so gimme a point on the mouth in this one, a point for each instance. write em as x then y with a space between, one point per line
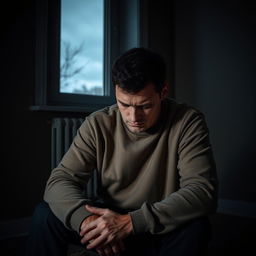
135 124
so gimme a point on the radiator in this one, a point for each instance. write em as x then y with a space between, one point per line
63 132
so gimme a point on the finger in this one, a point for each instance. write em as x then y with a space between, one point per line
90 236
95 210
88 227
98 242
116 248
100 252
108 250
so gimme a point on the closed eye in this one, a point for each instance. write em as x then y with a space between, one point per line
124 105
146 106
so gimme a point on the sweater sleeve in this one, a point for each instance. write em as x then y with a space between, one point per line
65 187
197 192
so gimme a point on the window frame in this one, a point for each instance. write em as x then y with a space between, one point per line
122 28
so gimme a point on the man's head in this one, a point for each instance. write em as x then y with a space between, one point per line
137 68
140 86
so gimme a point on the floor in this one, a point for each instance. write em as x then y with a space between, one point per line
232 235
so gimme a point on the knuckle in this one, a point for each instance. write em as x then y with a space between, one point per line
103 225
111 237
104 218
115 249
108 229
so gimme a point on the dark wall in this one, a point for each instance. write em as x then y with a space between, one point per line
160 15
26 134
21 173
215 61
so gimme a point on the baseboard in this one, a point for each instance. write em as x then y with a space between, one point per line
238 208
14 228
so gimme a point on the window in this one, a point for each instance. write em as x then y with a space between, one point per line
82 47
61 86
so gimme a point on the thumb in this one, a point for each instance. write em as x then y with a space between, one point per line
95 210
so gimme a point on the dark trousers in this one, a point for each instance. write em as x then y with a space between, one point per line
49 237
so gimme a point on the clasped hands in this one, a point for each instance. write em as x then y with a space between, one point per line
105 231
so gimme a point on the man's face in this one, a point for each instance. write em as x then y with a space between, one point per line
140 110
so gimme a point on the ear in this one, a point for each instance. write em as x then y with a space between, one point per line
164 91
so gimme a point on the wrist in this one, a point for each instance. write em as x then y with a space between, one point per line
127 220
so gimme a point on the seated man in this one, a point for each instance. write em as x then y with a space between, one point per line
155 166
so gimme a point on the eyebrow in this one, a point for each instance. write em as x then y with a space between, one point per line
142 105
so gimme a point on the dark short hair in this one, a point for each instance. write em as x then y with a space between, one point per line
138 67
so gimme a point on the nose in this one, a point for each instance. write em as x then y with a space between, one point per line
135 114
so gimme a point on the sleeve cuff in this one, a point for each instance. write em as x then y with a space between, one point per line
138 222
77 217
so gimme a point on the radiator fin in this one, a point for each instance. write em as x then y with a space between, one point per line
63 132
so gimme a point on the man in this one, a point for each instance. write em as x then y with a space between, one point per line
156 170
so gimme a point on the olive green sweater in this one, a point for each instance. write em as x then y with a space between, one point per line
166 174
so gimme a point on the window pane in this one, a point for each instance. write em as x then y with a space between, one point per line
82 47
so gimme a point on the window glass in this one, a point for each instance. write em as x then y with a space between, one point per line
82 47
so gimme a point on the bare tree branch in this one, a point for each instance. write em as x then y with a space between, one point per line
69 67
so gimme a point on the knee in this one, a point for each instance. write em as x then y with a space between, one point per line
198 232
43 215
190 239
200 227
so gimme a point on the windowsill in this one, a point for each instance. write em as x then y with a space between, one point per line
63 108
